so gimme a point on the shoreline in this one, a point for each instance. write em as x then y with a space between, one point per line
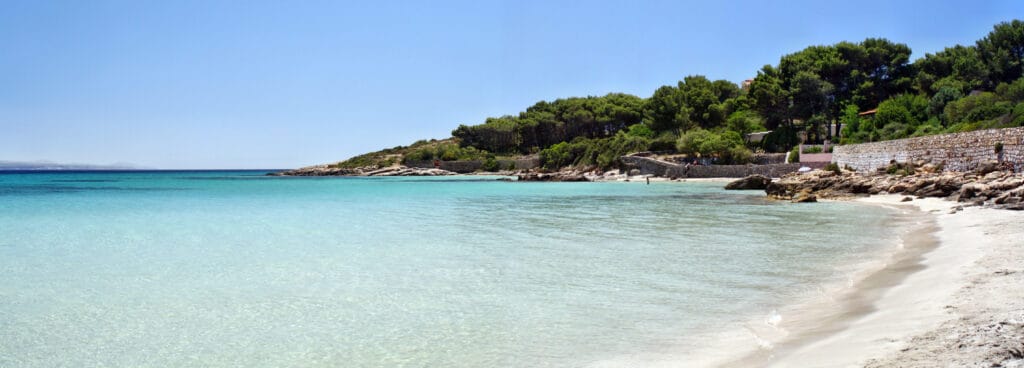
951 291
905 313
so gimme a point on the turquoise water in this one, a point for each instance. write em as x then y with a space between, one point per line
238 269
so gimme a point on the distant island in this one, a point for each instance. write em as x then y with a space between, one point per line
47 165
845 93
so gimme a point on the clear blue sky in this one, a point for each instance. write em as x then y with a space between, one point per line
252 84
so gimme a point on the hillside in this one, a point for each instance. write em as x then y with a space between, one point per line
846 93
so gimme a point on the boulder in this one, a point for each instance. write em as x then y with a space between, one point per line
552 177
750 182
804 196
987 167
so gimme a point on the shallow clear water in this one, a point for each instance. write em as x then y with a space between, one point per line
239 269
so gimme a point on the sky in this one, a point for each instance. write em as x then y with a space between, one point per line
255 84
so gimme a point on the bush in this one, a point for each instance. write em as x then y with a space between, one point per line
780 139
664 142
490 165
794 155
603 152
738 155
640 130
744 122
812 149
897 168
974 108
446 152
833 167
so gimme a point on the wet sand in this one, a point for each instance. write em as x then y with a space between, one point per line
953 297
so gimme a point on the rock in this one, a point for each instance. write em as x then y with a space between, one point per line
969 191
906 199
560 176
634 172
750 182
804 196
929 168
408 171
1000 189
862 187
1014 207
782 189
987 167
323 170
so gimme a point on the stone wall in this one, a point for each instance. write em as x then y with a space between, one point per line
957 152
769 158
524 163
739 171
650 166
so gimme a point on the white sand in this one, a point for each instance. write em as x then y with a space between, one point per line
907 325
953 298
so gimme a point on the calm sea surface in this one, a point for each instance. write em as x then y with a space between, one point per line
239 269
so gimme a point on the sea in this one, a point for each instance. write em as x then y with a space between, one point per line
240 269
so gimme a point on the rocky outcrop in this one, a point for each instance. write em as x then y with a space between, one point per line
804 196
557 176
1002 189
325 170
750 182
665 169
319 170
409 171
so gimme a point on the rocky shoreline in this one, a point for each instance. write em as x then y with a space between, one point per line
989 186
326 170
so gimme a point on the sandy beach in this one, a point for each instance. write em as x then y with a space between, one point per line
955 301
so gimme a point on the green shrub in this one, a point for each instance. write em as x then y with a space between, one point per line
640 130
738 155
833 167
812 149
794 155
780 139
664 142
899 169
490 165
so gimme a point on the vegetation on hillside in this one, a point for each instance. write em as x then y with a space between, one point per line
812 92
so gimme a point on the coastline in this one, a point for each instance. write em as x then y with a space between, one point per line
950 294
956 284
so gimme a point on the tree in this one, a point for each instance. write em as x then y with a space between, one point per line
937 104
957 67
811 100
1002 50
771 100
744 122
727 145
666 110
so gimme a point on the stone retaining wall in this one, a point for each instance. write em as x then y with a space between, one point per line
650 166
957 152
769 158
